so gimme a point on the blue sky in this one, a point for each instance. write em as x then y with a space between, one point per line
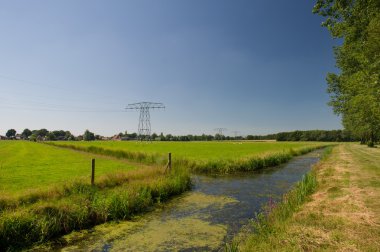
252 66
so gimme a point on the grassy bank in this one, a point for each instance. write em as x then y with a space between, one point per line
249 163
342 214
196 151
85 206
271 154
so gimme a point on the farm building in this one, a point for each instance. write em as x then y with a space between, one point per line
116 138
3 138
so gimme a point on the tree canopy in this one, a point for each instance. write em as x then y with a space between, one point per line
355 90
88 136
11 133
26 133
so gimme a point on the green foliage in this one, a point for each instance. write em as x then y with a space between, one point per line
11 133
26 133
231 247
316 135
88 136
41 132
355 91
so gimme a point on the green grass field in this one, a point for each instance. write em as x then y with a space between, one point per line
204 151
28 165
200 157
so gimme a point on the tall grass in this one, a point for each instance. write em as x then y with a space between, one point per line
250 163
84 206
78 185
274 215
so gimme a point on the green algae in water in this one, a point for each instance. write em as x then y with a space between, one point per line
181 224
174 234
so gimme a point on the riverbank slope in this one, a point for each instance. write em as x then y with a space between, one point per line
344 212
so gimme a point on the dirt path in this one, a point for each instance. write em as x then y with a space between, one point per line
342 215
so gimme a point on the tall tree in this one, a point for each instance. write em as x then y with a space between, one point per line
355 91
88 136
11 133
26 133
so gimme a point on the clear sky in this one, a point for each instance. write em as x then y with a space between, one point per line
252 66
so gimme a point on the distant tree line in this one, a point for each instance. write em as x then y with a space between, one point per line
308 135
262 137
190 137
317 135
40 135
46 135
55 135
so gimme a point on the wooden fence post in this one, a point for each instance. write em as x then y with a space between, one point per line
93 171
170 161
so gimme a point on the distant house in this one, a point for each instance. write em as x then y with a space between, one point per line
3 138
116 138
18 137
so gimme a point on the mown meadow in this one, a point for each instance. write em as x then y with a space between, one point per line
46 190
26 165
211 150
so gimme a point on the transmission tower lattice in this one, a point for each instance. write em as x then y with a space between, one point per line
236 133
220 131
144 129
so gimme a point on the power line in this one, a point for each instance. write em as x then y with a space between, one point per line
236 133
31 82
61 110
31 105
48 85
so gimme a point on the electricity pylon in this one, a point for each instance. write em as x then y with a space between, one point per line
144 129
220 131
236 133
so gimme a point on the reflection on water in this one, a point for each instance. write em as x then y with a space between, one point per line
203 219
